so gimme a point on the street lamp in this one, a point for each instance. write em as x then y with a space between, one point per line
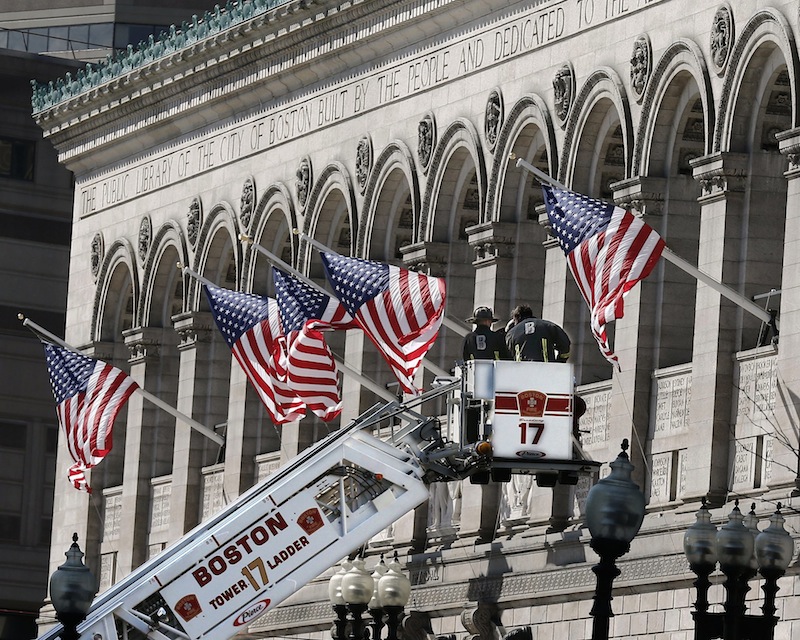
740 550
72 589
614 514
353 590
394 590
357 588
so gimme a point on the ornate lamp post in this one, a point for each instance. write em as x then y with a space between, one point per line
72 589
357 588
740 550
385 594
337 601
394 590
614 514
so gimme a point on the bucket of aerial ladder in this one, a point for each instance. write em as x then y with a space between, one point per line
526 411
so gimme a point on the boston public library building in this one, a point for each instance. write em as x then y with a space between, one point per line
391 130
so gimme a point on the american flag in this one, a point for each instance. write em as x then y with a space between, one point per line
311 369
251 326
89 394
608 250
400 310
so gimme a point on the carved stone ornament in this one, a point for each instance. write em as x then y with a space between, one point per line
426 140
641 66
482 622
721 38
564 92
494 118
363 162
248 202
145 237
194 221
303 184
97 251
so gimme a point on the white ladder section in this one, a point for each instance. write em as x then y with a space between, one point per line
276 537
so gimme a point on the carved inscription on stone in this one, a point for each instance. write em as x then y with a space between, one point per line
744 459
108 566
159 516
112 516
757 391
594 423
673 394
661 477
213 499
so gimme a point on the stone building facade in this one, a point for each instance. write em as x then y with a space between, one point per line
390 130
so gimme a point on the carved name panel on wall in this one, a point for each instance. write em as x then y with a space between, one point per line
477 50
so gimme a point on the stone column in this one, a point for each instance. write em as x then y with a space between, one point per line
495 247
723 180
192 450
784 467
141 448
635 337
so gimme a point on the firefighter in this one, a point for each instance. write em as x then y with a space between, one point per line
536 340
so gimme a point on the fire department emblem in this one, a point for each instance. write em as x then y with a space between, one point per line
310 520
531 403
188 607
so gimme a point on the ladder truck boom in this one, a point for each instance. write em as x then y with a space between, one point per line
331 500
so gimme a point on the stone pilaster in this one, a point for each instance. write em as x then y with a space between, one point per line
722 177
495 247
784 467
635 336
144 447
192 450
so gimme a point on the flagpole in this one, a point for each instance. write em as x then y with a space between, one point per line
723 289
209 433
436 370
450 324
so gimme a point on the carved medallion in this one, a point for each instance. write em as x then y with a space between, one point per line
426 139
145 237
363 162
194 221
641 66
564 92
97 251
494 118
721 38
303 184
247 202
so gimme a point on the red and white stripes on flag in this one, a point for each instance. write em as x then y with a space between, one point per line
608 250
311 370
400 310
89 394
251 326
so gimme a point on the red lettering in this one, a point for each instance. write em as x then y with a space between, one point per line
232 554
278 523
202 576
217 565
242 542
259 535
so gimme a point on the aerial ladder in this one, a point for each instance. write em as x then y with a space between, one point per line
335 496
